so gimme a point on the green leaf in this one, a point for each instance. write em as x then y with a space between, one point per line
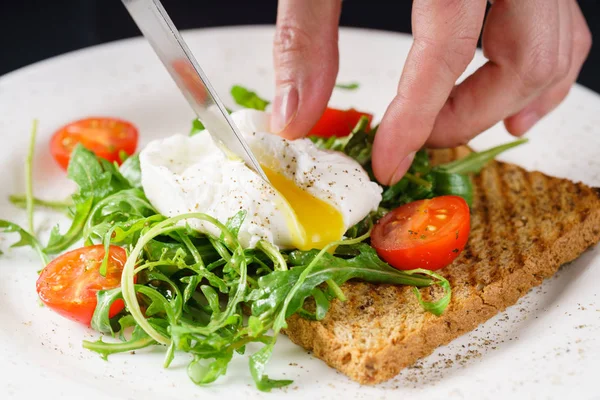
439 306
474 162
365 224
100 319
61 206
321 302
125 322
138 340
331 143
367 266
453 184
348 86
420 164
117 180
213 299
255 326
360 144
96 179
131 171
192 283
202 372
26 239
105 349
29 177
87 172
258 362
60 242
247 98
235 223
125 212
197 127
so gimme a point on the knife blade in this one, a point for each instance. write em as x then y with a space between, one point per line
155 24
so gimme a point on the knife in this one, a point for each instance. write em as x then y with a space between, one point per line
158 28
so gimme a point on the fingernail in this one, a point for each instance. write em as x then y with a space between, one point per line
528 120
402 167
285 106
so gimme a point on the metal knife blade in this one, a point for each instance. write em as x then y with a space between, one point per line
156 25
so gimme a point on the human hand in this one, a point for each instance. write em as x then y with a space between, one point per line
535 50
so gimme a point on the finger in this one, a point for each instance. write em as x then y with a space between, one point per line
580 45
305 54
445 39
521 41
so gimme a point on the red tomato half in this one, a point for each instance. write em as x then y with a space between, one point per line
69 283
338 123
427 234
106 137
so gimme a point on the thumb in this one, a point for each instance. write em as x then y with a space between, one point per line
305 54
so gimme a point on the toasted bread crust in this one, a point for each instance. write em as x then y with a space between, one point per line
524 226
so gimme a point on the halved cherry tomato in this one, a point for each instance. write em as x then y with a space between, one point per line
69 283
338 123
106 137
427 234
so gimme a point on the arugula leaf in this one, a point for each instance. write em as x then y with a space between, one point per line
248 99
331 143
26 239
348 86
88 173
59 242
475 161
61 206
96 179
453 184
29 177
234 223
439 306
258 362
360 144
366 266
139 340
366 224
119 212
420 164
131 171
322 303
100 319
423 181
197 127
202 372
410 188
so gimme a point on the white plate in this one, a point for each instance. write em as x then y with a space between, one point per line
545 346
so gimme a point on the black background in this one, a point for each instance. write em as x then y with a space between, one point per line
32 30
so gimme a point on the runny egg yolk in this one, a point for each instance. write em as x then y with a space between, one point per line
320 222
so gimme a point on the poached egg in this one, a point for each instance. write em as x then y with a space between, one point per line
313 197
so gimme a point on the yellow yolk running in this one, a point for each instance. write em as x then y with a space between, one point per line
320 222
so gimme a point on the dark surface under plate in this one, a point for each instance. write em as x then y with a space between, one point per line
32 30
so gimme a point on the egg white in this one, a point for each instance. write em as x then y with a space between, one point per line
182 174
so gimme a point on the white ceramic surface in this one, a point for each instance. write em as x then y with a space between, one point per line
546 346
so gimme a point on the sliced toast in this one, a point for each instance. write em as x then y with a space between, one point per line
524 226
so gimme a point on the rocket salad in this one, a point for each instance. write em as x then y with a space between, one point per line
143 279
